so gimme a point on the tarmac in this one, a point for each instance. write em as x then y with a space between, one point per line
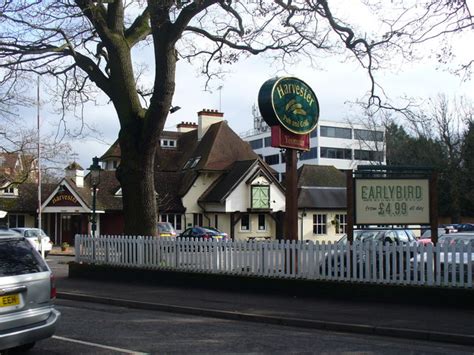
441 324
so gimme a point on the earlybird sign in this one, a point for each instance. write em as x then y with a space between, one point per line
392 201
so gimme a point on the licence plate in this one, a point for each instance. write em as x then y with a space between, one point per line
10 300
165 235
218 237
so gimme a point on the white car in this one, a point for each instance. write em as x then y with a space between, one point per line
33 235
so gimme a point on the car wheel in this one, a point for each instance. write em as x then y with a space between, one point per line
22 348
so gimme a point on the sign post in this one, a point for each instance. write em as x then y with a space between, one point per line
290 107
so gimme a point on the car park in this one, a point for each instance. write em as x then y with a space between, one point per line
166 229
37 237
27 293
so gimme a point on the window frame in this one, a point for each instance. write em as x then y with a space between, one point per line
320 224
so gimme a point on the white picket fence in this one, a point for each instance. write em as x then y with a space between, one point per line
443 265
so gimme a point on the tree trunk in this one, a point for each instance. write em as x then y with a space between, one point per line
136 176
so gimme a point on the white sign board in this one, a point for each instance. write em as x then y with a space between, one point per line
392 201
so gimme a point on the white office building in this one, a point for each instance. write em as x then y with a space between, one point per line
339 144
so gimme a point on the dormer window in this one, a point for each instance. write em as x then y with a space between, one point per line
168 143
9 191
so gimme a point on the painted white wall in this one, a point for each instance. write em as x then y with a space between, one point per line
330 236
200 185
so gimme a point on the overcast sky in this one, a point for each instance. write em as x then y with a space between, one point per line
335 84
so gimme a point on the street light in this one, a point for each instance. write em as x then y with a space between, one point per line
95 181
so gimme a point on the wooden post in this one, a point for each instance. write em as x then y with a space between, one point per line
350 205
291 214
434 207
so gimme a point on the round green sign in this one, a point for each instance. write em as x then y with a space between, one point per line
289 102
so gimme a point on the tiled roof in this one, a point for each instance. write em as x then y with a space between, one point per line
27 199
322 198
319 175
321 187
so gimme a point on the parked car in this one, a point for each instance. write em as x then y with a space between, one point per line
166 229
452 257
465 227
27 292
224 234
34 235
334 259
203 233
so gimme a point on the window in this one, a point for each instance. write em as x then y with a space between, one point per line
167 143
197 219
314 133
366 135
256 144
174 219
261 222
188 163
115 164
341 223
282 177
10 190
336 132
336 153
260 196
369 155
268 141
18 258
172 143
319 224
245 222
272 159
311 154
195 162
16 220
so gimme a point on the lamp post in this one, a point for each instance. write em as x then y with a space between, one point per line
95 181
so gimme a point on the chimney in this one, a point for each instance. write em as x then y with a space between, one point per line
75 172
184 127
206 118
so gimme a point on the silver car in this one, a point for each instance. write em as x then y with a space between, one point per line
27 292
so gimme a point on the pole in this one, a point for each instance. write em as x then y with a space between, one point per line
39 166
94 221
291 225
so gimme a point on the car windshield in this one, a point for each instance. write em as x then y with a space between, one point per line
165 227
17 257
29 233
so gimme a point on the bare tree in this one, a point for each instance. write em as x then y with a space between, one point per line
89 44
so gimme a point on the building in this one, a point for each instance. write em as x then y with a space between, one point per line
205 175
337 144
322 203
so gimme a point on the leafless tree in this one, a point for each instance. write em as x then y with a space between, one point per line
88 44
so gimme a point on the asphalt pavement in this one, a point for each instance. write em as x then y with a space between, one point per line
443 324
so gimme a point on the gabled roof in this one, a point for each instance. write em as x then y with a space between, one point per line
238 172
221 188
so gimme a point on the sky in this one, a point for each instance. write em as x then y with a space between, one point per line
335 83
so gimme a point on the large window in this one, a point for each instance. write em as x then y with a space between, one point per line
341 223
256 144
311 154
366 135
260 196
16 220
335 132
369 155
319 224
336 153
272 159
245 222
